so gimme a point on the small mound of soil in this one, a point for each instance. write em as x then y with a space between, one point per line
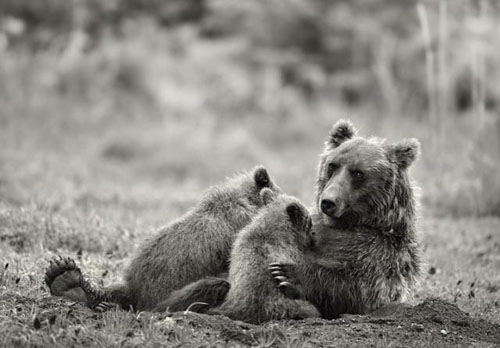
434 310
442 315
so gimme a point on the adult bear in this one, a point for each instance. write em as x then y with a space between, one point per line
365 251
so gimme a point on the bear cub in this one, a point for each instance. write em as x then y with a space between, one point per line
278 234
195 246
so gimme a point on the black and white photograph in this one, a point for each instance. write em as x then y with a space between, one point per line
249 173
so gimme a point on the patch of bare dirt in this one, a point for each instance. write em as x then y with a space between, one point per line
433 323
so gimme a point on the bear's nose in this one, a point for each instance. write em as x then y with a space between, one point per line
328 207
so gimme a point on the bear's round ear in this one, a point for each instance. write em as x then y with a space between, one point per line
404 153
341 131
261 177
266 195
297 214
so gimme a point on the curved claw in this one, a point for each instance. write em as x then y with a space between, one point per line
277 273
196 307
289 290
104 307
280 279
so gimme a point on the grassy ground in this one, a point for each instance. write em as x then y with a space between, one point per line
94 192
99 149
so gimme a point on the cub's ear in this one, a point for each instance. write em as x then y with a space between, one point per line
298 215
261 177
341 131
267 196
404 153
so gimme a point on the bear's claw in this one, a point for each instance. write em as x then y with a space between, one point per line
284 275
289 290
276 273
286 268
102 307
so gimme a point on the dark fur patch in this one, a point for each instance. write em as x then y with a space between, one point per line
296 214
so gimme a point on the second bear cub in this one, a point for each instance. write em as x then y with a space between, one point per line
195 246
278 234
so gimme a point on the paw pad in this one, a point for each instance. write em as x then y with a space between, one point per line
58 266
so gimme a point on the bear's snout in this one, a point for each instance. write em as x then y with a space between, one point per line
333 209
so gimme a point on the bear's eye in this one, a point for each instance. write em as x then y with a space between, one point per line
358 174
332 167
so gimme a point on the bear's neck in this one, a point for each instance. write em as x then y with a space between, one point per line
397 218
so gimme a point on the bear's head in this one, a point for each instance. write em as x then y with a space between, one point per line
288 214
365 181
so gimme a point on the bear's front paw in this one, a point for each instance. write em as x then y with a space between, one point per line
284 275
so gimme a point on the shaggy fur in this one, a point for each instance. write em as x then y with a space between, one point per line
279 233
196 245
365 252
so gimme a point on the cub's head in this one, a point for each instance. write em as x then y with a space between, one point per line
286 213
364 181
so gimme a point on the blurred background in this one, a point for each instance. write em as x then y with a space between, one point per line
115 115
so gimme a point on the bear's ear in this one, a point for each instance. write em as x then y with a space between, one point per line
404 153
298 215
261 177
267 196
341 131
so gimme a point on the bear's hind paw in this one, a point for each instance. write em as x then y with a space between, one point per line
67 273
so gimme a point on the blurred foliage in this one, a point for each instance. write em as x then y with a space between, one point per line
361 49
57 14
398 68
